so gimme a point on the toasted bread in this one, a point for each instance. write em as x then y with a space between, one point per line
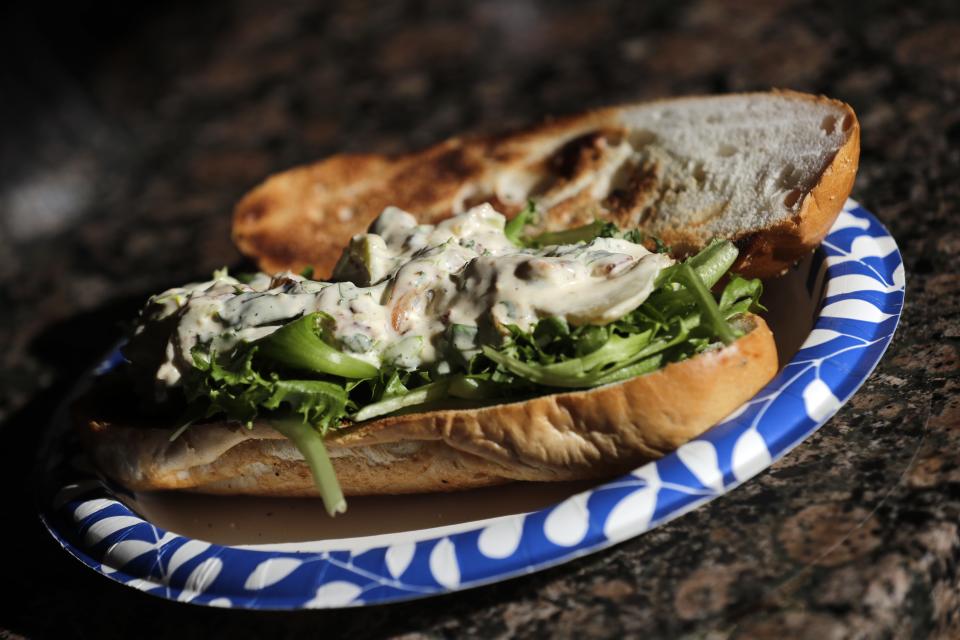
592 433
769 171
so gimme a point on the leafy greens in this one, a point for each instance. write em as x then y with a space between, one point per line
302 382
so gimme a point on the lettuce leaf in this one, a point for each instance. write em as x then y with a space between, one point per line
232 386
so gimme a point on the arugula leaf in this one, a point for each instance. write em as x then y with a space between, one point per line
393 386
550 330
311 446
597 229
591 339
740 296
515 225
421 395
476 388
303 345
659 246
714 261
705 301
591 370
586 233
671 298
433 394
647 365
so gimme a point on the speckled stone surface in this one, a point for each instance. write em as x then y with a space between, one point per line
118 168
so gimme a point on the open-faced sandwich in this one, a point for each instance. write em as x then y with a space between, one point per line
561 303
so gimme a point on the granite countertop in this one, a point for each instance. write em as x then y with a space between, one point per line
127 138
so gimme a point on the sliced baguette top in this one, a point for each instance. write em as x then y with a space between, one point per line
770 171
565 436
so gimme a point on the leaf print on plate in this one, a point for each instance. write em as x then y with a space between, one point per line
185 553
105 528
398 557
120 553
270 572
854 309
819 400
870 247
444 565
501 539
632 515
334 594
142 585
201 578
750 455
700 457
820 336
857 282
90 507
568 523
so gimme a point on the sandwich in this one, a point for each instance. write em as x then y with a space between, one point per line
560 303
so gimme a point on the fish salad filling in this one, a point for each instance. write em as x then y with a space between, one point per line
418 317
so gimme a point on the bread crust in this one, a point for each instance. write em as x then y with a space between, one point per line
305 215
565 436
773 251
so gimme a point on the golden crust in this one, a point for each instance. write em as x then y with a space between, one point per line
566 436
307 214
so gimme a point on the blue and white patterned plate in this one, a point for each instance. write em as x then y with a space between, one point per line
851 291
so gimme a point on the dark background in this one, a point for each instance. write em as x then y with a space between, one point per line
128 130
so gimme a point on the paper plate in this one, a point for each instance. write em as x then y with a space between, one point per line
833 317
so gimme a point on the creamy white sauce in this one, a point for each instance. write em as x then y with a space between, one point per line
400 289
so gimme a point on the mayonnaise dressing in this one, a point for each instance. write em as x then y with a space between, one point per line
408 294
